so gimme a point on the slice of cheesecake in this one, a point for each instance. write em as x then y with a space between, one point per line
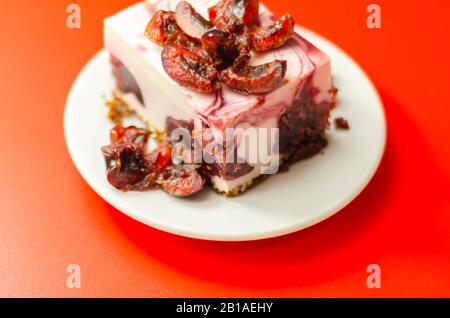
299 108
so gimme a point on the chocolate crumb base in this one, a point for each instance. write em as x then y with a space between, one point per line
118 109
341 123
307 149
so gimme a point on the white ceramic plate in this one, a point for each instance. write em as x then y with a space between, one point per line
310 192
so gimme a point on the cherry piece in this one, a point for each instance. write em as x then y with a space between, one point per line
163 29
213 42
183 182
131 134
228 14
242 43
125 164
192 23
127 167
255 79
190 68
264 39
130 168
161 157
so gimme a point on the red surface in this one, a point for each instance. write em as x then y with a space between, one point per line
49 217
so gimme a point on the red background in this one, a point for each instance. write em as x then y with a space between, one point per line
49 217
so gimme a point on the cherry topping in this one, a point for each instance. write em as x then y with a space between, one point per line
130 168
264 39
228 14
255 79
125 165
197 50
163 29
192 23
213 42
122 135
183 182
190 68
163 156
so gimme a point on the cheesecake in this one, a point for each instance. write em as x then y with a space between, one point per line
227 65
